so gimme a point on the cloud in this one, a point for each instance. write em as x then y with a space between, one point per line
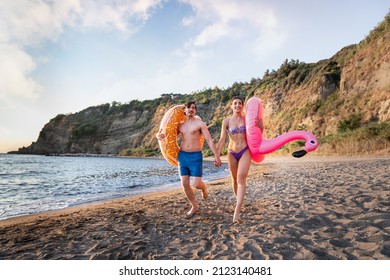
15 69
26 25
29 23
228 35
122 15
230 21
212 33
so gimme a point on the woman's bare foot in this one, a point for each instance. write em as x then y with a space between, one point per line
192 212
236 218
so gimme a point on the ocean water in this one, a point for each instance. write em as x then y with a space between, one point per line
31 184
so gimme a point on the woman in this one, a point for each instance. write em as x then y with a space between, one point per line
239 157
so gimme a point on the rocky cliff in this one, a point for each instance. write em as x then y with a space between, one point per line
347 92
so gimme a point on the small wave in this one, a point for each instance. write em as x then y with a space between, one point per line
132 186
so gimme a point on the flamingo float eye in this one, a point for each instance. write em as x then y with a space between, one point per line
312 142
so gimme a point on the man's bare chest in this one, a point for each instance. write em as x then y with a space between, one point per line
187 129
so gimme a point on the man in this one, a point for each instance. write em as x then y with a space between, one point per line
190 156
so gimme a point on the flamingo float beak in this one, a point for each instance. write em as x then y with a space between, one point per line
299 153
310 145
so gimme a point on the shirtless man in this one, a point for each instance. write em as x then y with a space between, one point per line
190 156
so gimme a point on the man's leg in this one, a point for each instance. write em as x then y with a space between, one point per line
185 182
196 173
200 185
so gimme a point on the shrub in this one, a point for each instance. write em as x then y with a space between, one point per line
87 129
351 123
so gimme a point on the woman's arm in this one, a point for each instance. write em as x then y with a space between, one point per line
259 124
222 138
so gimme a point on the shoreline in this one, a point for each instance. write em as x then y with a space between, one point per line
144 186
308 208
14 219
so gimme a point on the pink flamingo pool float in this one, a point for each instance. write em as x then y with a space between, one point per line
259 147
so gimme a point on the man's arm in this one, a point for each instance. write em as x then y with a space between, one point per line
160 136
210 142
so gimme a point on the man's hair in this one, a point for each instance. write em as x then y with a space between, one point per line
189 103
239 98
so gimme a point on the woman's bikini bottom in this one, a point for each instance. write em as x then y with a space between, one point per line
239 154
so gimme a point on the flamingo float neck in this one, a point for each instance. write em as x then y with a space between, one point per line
259 146
270 145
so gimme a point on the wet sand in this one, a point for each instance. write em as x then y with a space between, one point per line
308 208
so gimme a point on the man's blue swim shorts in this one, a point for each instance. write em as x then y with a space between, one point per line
190 164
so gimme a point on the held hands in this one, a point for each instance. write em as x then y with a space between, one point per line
217 162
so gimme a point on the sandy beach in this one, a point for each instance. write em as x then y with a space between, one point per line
315 207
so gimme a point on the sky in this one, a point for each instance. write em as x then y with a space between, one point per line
62 56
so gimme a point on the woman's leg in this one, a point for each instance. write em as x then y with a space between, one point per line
242 173
233 166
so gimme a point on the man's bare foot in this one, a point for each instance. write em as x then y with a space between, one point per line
205 193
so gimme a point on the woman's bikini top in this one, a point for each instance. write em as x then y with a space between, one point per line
236 130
